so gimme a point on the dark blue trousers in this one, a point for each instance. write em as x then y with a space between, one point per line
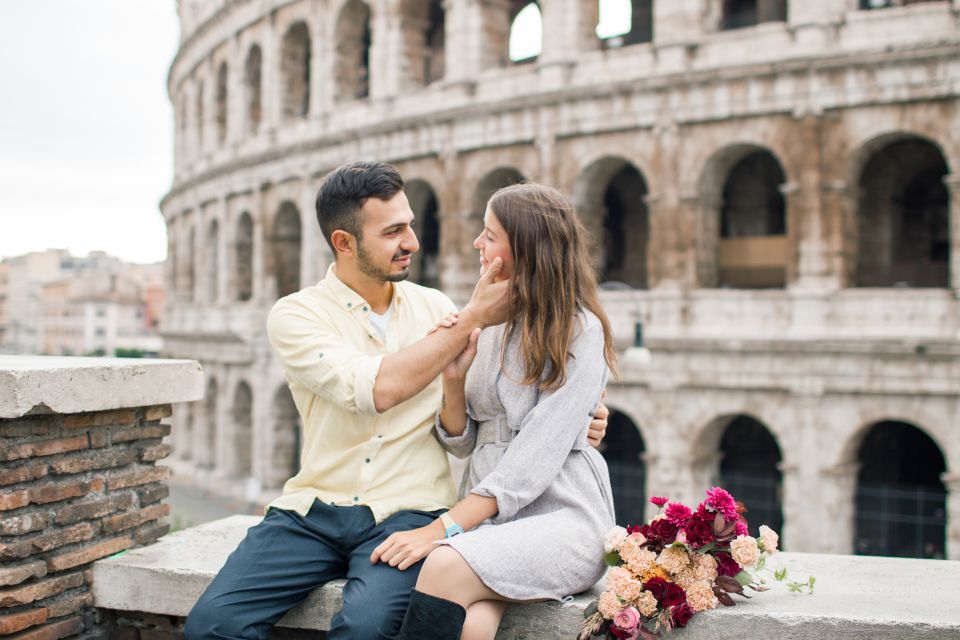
286 556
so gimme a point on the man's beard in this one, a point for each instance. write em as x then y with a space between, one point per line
371 270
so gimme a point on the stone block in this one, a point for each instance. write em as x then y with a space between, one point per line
38 448
14 500
40 590
30 426
100 419
148 534
23 473
70 603
55 492
88 554
129 434
157 413
23 547
52 631
155 452
18 574
150 494
112 503
26 523
88 461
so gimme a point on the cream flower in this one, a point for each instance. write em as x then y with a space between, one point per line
646 604
704 566
700 596
637 558
615 537
745 551
616 578
608 605
769 539
674 559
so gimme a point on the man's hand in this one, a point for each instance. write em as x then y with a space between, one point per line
488 304
406 548
598 426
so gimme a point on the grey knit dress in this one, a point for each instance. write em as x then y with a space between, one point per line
530 452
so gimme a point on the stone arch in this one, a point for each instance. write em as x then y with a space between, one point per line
743 235
740 453
213 261
286 430
423 32
222 103
242 439
210 425
624 22
243 258
903 213
900 500
623 448
253 84
610 197
525 41
488 185
285 244
425 268
295 56
352 58
737 14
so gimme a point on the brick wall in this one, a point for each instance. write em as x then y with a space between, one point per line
74 488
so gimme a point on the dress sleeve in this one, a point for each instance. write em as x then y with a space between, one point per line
551 430
460 446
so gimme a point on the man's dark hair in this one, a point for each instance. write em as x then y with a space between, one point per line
345 189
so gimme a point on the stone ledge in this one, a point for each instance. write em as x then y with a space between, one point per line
856 597
76 385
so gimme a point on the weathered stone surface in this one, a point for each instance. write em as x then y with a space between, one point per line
854 597
78 385
17 574
88 554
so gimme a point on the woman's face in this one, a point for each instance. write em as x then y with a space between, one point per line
493 243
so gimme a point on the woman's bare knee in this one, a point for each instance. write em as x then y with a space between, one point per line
483 620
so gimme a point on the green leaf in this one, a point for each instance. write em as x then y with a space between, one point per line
612 559
710 546
761 563
744 578
780 574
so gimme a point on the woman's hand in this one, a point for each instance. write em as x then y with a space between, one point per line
448 321
456 371
406 548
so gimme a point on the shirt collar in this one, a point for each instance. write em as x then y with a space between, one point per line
350 299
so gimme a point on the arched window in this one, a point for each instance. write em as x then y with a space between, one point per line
242 439
423 202
625 22
900 500
488 185
903 217
747 13
353 51
753 250
285 249
285 452
526 32
222 103
253 85
213 261
243 258
749 469
295 71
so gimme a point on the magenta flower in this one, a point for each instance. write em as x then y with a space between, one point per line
659 501
741 528
720 500
678 514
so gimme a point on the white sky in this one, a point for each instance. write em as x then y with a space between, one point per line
86 142
86 127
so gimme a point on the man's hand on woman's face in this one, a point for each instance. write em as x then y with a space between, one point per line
598 426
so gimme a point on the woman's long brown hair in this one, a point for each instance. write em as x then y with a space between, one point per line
552 279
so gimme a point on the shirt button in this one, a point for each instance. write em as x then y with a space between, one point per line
365 309
367 460
356 499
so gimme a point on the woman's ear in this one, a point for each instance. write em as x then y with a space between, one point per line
343 242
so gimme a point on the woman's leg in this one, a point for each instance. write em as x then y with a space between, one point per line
483 620
445 574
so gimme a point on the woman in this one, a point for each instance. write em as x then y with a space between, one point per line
536 499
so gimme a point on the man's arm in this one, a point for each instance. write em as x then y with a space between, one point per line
407 372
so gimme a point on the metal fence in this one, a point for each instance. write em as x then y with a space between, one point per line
901 520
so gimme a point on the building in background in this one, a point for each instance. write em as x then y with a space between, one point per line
772 188
57 304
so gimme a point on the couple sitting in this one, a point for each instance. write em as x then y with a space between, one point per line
387 375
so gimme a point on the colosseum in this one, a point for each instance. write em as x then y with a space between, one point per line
769 185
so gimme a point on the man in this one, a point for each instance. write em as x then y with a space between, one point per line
363 372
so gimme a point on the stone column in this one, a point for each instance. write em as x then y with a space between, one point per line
457 29
272 92
952 483
224 238
678 25
838 486
383 58
317 63
569 28
952 182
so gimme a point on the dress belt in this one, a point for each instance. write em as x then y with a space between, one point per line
494 431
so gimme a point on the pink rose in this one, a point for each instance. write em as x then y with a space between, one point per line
627 619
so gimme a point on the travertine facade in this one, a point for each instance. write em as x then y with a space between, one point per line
774 188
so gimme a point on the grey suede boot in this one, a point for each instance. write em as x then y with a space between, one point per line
432 618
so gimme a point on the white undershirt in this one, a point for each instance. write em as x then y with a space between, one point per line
380 322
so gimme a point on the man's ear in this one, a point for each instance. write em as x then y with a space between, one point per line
344 242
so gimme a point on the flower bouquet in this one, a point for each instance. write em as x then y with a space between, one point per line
680 563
